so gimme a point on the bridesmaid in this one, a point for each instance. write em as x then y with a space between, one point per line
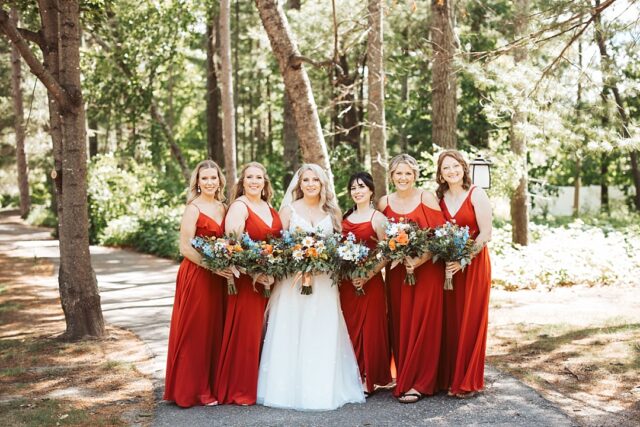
249 212
466 308
366 315
416 311
195 336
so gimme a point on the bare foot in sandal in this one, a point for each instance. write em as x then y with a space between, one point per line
411 396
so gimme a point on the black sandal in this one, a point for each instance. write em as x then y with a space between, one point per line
417 396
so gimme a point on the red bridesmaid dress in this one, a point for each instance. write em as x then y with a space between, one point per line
466 314
195 337
416 313
366 316
237 371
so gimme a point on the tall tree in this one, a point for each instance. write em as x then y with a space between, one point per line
228 112
296 83
79 294
375 108
611 85
289 137
444 82
18 110
214 127
519 198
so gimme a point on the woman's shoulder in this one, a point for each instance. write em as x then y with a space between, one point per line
429 199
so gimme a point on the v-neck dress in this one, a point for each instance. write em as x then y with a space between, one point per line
366 316
240 357
195 335
416 313
466 313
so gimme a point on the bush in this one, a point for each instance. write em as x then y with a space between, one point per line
41 215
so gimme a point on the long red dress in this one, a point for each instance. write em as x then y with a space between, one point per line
195 336
416 313
466 314
366 316
240 357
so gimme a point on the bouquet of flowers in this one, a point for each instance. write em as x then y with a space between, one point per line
311 253
353 260
404 239
451 243
219 253
262 257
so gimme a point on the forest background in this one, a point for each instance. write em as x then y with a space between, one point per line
548 90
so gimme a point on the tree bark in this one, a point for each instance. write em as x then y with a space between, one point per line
296 82
228 112
520 197
78 285
577 180
79 294
610 83
214 130
289 137
375 107
18 109
444 103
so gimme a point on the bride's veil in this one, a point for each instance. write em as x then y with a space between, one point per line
288 195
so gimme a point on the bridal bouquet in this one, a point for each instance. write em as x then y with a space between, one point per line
262 257
219 253
353 260
451 243
404 239
310 253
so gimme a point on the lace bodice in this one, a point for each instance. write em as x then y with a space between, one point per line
324 227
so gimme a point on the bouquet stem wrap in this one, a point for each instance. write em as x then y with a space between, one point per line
448 281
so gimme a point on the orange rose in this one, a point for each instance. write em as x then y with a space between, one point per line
268 249
311 252
392 244
403 238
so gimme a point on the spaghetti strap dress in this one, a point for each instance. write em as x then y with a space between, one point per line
416 313
195 335
237 371
466 314
366 316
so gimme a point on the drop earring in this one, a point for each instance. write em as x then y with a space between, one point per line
197 189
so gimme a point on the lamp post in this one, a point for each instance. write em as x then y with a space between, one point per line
481 172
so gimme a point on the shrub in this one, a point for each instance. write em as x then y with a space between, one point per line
41 215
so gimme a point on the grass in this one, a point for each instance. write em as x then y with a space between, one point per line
48 412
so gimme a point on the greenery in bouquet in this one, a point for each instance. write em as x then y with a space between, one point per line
219 253
451 243
310 253
353 260
262 257
403 239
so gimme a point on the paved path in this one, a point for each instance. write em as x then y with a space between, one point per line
137 293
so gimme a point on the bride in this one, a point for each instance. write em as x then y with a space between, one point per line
307 360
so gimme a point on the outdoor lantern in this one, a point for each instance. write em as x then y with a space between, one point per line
481 172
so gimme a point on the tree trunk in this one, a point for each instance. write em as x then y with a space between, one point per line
577 181
289 137
228 112
77 282
18 109
214 130
375 107
520 197
444 82
610 83
604 183
296 82
348 123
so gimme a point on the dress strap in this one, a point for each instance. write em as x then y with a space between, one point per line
196 206
372 215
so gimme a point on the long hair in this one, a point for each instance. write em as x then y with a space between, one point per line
367 180
238 189
407 160
328 202
193 192
442 184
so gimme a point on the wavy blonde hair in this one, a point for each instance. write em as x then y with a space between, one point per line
407 160
328 202
193 192
238 188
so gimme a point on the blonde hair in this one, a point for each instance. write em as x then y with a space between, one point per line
442 184
407 160
193 192
328 202
238 189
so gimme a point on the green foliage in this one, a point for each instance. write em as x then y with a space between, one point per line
41 215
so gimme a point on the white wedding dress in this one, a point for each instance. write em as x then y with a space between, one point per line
307 359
